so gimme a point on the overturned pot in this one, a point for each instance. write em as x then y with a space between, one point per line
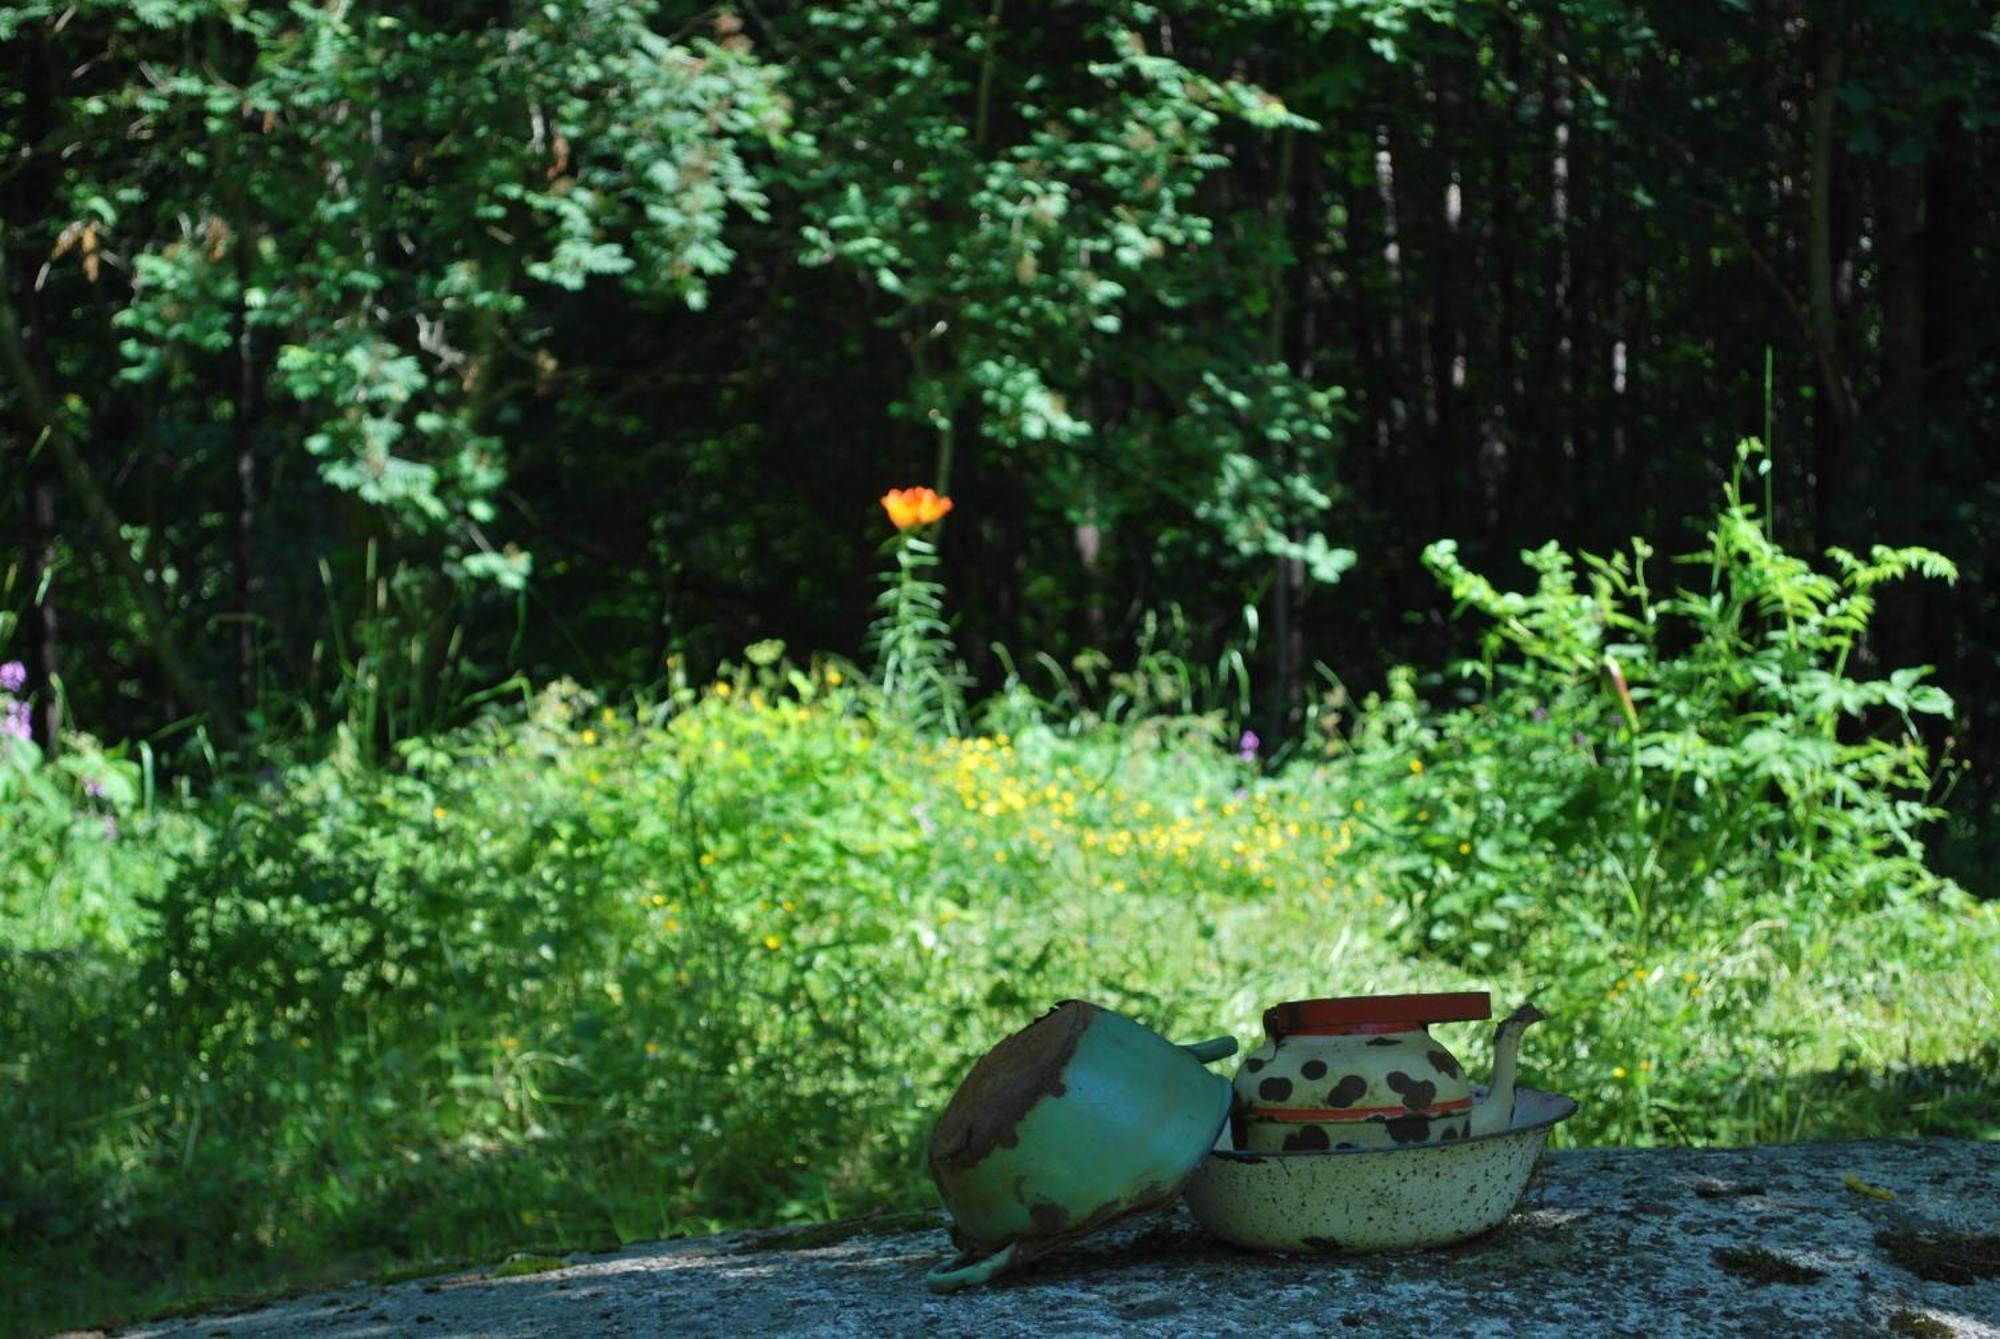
1079 1119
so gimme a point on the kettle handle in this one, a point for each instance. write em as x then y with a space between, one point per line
946 1279
1215 1048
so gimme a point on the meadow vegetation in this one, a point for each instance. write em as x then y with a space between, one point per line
588 970
475 778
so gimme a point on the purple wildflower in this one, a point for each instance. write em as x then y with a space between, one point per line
13 675
94 789
110 827
1246 747
16 723
1538 715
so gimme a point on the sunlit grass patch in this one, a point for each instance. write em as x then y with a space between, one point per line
591 973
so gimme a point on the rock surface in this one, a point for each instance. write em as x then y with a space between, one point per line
1796 1239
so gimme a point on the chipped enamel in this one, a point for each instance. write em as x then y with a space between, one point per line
1383 1199
1080 1118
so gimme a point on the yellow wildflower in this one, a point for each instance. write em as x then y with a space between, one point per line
834 678
708 857
771 942
1465 848
438 813
1360 806
1618 1073
1416 767
589 737
723 688
652 1048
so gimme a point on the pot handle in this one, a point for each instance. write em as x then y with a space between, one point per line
1215 1048
947 1279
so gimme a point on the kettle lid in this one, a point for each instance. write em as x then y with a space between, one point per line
1375 1013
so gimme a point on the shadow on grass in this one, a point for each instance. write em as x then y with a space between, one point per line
1957 1099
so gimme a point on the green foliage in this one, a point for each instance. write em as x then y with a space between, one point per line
582 972
1677 814
65 876
1662 760
1051 211
579 973
398 669
914 664
417 360
376 249
1199 304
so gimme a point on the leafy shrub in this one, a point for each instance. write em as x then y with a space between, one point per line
64 876
1644 764
577 973
1687 828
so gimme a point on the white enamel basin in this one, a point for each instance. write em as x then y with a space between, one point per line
1390 1199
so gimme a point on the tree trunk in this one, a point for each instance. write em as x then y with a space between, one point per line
246 488
44 661
41 412
1506 227
1901 240
1456 447
1559 414
1285 591
1835 422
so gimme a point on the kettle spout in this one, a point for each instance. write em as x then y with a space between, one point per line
1494 1113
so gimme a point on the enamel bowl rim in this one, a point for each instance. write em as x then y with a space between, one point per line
1533 1110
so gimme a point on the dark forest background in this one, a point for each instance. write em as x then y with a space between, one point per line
580 339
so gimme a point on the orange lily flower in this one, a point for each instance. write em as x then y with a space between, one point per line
912 507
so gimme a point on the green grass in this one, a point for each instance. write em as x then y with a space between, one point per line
581 975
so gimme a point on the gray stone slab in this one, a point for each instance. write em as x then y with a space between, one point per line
1661 1242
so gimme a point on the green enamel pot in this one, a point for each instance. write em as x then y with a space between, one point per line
1079 1119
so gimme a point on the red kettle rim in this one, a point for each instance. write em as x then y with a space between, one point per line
1376 1013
